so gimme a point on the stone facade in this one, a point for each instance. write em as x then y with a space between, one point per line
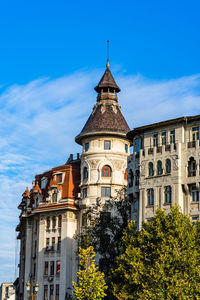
164 168
51 212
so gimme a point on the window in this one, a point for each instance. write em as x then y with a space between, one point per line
47 242
59 178
51 291
58 267
46 268
43 183
45 292
84 191
168 194
52 268
151 170
59 244
195 133
105 191
54 197
195 219
107 145
159 168
106 171
191 167
163 137
87 145
126 148
194 194
85 173
125 175
53 243
54 222
57 291
155 140
137 146
59 221
168 166
172 136
48 223
130 178
150 197
137 177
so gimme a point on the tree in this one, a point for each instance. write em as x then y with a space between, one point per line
91 283
161 261
104 230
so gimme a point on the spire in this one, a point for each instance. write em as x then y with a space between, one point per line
107 65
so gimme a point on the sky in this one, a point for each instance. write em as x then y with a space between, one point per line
53 53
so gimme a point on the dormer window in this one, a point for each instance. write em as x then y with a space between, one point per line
107 145
43 183
87 145
59 178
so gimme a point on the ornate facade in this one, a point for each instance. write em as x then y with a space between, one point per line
51 212
164 168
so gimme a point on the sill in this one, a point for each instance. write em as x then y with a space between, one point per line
167 203
156 176
150 206
195 202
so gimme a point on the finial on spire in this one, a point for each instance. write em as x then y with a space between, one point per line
107 65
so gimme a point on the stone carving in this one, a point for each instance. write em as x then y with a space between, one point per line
175 162
118 164
93 163
142 169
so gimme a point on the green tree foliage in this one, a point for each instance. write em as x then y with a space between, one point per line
161 261
104 230
91 283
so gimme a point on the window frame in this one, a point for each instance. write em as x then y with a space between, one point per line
107 142
87 146
150 197
105 191
106 171
168 194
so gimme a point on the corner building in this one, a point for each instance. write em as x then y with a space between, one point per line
51 212
164 168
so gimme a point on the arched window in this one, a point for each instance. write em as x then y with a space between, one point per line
85 173
54 197
125 175
168 166
168 194
159 168
151 170
106 171
191 167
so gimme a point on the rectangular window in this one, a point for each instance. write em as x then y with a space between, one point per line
195 219
105 191
59 244
84 193
172 136
137 146
164 137
59 178
57 291
46 268
47 242
51 291
150 196
54 222
53 243
107 145
52 268
155 140
126 148
59 221
195 133
45 292
58 267
195 194
87 145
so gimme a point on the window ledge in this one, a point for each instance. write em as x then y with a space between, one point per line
150 206
167 203
156 176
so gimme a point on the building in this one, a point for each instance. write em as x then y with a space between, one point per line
164 168
51 212
7 291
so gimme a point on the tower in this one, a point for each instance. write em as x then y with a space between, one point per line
105 145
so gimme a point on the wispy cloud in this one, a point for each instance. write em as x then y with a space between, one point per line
40 119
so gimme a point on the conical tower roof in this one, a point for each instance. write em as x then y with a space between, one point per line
106 117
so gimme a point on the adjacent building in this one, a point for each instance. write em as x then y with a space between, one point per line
164 168
51 212
7 291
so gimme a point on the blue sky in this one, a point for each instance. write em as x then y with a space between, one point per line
52 54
